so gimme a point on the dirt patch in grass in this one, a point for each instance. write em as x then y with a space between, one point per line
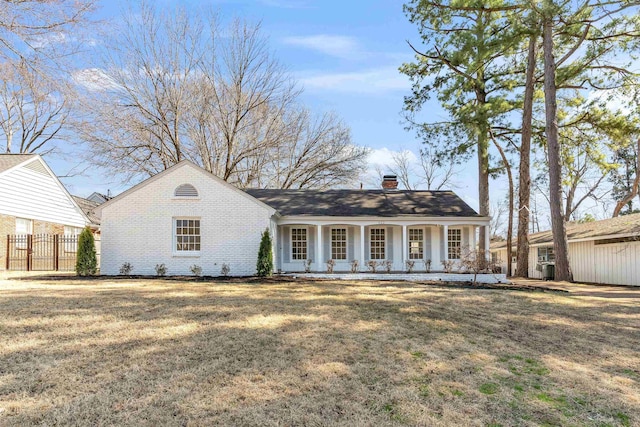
170 352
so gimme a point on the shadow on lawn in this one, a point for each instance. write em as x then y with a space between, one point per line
295 353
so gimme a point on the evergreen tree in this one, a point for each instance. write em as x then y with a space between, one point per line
462 63
265 256
86 262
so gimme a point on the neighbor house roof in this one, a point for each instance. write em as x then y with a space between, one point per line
8 161
98 198
88 207
621 225
379 203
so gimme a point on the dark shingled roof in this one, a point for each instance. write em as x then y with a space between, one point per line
7 161
624 224
384 203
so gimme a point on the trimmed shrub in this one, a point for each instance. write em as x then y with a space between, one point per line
225 269
86 262
196 270
161 270
330 265
264 265
126 269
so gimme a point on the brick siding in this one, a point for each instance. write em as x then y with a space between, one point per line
139 227
8 226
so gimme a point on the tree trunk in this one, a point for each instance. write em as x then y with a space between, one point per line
483 167
560 246
483 186
511 203
524 195
634 187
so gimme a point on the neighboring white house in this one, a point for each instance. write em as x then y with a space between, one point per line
606 251
34 201
186 216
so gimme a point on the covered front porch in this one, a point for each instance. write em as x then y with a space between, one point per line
357 245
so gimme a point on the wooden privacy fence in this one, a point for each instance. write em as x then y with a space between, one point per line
41 252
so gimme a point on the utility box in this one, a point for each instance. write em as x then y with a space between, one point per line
549 271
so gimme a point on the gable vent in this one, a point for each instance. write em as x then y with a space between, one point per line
186 190
37 166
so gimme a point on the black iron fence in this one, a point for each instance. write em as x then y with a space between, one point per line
41 252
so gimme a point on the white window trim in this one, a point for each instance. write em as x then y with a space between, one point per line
71 246
448 241
422 243
76 230
386 238
29 228
346 240
174 240
546 251
297 227
29 222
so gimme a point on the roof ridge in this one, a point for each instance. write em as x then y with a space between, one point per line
381 190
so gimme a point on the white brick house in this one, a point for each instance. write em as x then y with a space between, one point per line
160 222
185 216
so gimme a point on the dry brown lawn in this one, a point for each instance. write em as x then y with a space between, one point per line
163 352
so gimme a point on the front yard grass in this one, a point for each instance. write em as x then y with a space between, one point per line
163 352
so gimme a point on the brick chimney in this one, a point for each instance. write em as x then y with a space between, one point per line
390 182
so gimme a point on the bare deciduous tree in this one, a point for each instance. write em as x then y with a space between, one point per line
41 28
429 171
180 86
404 170
498 211
437 173
33 111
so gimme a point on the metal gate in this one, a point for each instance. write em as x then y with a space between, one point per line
41 252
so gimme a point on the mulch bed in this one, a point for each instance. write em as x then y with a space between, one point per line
291 279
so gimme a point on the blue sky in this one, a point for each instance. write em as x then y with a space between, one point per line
345 54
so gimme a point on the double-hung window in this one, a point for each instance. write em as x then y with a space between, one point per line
545 254
377 243
187 235
70 238
24 226
416 246
339 243
454 243
299 244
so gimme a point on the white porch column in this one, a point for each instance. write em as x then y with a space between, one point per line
473 237
320 260
435 247
404 245
281 244
445 255
362 255
487 238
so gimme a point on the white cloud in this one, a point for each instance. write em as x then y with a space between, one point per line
94 79
383 157
370 81
332 45
380 162
46 40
